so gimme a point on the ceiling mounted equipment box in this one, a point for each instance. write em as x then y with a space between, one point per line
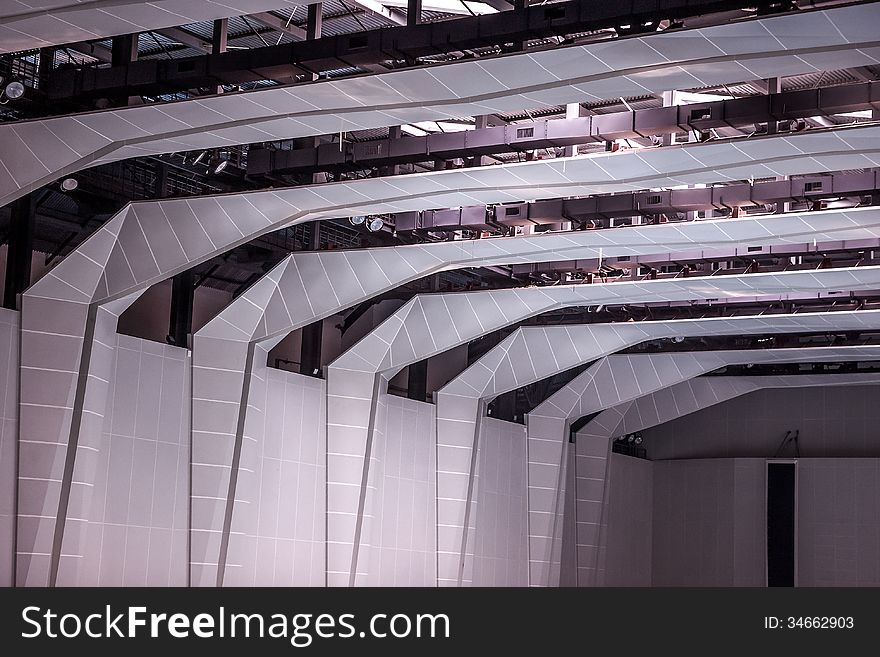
850 98
447 145
810 186
321 55
618 205
484 141
233 67
701 116
445 219
410 43
655 121
580 209
368 151
526 136
654 202
359 48
542 19
795 104
517 270
407 221
409 147
546 212
513 214
772 192
731 196
568 132
265 160
619 125
691 200
875 95
503 27
473 217
331 155
449 36
270 66
743 111
854 183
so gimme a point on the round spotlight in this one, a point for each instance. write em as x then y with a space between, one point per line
638 438
220 167
631 438
357 220
678 338
69 184
15 90
375 225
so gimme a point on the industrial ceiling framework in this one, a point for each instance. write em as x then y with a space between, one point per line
798 43
431 324
148 242
554 349
594 441
39 23
563 162
307 287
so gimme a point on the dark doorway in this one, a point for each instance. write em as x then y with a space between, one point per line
781 480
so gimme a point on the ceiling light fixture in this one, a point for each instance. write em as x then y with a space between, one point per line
375 225
69 184
14 90
357 220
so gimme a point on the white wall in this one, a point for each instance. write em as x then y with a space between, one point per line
501 527
706 523
138 524
403 527
9 327
277 533
838 522
709 522
629 509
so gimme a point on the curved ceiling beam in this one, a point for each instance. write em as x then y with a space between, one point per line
40 23
430 324
309 286
43 150
148 241
593 443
